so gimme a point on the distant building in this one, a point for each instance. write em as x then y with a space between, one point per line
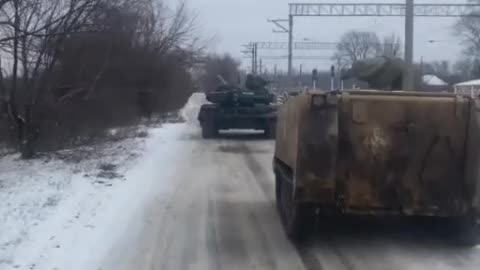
432 80
432 83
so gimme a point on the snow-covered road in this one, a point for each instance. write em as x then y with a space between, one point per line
190 203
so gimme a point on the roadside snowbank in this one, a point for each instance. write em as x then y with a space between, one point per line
57 214
190 111
44 198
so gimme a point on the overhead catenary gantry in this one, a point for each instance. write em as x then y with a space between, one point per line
381 9
252 48
311 45
407 10
300 57
266 45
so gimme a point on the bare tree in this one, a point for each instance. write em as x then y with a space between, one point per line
462 70
33 31
442 69
357 45
391 46
468 28
467 69
75 66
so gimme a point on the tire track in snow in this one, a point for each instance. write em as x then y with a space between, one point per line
211 232
308 258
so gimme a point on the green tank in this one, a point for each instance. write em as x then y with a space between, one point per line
381 73
234 107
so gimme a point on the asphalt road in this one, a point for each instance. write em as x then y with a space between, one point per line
221 215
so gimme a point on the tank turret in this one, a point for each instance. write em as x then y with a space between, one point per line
381 73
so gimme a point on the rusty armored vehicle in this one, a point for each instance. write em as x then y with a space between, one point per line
233 107
379 153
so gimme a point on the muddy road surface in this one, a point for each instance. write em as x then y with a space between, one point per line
219 213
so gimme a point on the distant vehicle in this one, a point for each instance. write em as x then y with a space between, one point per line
382 73
233 107
379 153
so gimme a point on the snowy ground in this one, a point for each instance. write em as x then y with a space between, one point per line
177 201
67 202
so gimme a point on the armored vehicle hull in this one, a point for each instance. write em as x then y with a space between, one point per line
379 153
214 118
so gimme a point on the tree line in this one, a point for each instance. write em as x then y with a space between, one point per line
70 69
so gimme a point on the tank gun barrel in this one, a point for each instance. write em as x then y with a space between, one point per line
222 80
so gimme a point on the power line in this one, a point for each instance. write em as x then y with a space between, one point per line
280 28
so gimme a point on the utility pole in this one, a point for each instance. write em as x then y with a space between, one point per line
421 66
255 49
339 74
249 53
290 45
281 28
300 75
261 67
253 59
408 78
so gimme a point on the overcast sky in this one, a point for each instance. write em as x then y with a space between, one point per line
237 22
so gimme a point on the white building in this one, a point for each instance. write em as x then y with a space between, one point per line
469 88
432 80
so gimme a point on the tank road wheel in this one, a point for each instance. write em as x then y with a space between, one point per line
209 130
270 130
292 214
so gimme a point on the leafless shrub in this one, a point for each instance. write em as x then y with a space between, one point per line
357 45
107 167
78 67
142 134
